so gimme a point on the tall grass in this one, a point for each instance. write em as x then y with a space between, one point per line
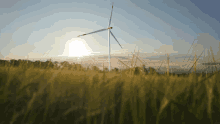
67 95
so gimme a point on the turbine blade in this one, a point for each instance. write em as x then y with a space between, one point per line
189 50
94 32
115 39
110 16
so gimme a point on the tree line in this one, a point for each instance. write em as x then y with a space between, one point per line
69 66
47 64
17 63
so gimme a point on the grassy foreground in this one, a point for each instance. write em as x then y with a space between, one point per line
36 96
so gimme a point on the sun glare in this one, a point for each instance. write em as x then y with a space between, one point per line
78 49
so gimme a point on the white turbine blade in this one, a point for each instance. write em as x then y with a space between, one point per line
110 16
95 31
115 38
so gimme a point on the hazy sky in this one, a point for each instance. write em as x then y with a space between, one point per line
33 27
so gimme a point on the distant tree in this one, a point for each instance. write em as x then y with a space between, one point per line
152 70
69 66
49 64
14 62
87 68
105 69
44 65
137 71
115 69
56 65
4 62
65 64
95 68
20 62
37 64
79 67
145 71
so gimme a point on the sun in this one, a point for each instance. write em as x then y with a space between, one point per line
78 49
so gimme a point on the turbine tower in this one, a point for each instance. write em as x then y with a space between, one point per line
109 32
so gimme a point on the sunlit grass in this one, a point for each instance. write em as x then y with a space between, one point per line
29 94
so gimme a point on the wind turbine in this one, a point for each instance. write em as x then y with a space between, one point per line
109 32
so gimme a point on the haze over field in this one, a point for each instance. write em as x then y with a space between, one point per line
31 28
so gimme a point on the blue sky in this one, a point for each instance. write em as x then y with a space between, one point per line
33 27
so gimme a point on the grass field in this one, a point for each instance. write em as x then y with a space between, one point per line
31 95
